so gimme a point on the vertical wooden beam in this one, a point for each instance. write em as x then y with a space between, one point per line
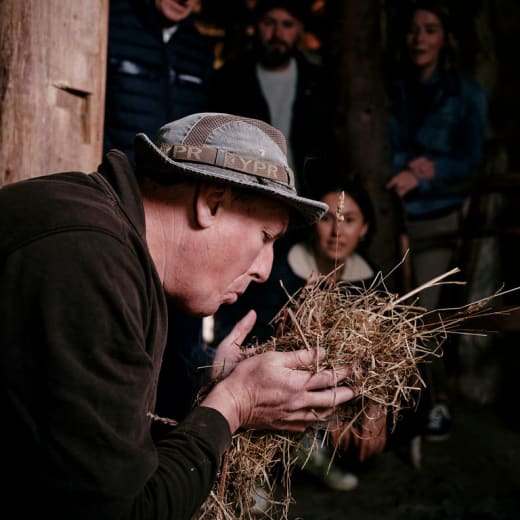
355 68
52 86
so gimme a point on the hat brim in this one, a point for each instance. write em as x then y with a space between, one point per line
149 158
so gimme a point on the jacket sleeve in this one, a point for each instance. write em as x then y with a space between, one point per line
466 156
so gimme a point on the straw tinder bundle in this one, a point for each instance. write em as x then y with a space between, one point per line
382 337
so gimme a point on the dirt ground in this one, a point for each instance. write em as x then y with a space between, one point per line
473 475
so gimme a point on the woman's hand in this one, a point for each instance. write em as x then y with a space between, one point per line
422 168
407 180
402 183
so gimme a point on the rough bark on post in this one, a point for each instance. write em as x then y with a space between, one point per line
354 63
52 86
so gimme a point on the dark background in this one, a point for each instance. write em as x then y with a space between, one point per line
476 473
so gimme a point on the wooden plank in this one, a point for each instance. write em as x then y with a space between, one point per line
52 86
354 64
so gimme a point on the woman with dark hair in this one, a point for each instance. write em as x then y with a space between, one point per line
438 122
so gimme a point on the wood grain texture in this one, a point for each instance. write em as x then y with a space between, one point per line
52 86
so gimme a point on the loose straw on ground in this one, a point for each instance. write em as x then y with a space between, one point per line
382 337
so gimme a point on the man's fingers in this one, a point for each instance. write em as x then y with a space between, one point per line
326 378
328 398
242 328
303 357
302 418
228 352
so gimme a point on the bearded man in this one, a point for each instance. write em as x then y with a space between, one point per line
276 82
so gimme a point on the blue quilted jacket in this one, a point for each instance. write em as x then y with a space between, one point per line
452 134
149 82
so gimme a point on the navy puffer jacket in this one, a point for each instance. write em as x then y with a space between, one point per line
149 82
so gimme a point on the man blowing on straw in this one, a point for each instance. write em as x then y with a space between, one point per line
87 263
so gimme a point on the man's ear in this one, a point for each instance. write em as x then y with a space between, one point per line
208 201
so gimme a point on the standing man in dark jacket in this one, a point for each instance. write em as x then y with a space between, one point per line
159 69
274 81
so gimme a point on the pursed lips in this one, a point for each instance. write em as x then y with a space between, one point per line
230 298
234 296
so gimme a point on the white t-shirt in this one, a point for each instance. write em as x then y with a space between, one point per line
279 89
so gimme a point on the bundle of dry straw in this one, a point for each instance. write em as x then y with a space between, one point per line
381 336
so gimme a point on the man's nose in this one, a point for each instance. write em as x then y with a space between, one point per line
261 267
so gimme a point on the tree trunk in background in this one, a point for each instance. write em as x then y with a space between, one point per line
353 57
52 86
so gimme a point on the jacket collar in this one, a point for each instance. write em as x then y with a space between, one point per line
117 171
301 260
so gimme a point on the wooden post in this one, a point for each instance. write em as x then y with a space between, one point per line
52 86
355 68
